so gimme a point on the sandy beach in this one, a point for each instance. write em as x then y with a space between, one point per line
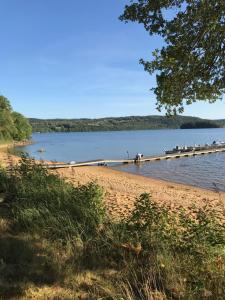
121 188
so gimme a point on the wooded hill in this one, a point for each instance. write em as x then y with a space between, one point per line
121 123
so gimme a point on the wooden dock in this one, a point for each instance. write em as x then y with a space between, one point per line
129 161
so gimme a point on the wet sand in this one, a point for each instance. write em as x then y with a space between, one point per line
121 188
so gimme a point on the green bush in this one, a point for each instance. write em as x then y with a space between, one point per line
157 253
157 227
181 255
44 203
3 180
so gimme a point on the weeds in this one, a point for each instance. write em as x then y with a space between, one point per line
60 233
44 203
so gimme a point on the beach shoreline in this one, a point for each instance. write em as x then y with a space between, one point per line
9 145
122 188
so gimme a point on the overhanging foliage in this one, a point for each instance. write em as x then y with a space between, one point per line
191 65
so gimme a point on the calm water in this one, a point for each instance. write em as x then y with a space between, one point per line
205 171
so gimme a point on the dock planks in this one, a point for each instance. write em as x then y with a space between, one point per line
128 161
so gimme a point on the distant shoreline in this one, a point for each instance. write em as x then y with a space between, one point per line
126 130
121 124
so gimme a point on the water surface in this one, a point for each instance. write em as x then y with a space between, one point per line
204 171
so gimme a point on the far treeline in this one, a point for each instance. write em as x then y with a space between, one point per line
13 125
122 123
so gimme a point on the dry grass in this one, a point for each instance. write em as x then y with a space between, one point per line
50 293
154 254
4 225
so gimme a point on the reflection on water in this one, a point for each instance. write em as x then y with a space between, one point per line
205 171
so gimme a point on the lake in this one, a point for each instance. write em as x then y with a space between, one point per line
204 171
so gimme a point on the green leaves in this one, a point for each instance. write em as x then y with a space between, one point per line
190 67
23 128
4 104
12 124
44 203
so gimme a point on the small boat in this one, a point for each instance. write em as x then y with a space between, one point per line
171 151
214 145
41 150
177 149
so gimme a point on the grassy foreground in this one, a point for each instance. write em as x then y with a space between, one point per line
57 242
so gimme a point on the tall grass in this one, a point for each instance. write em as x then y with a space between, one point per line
152 254
44 203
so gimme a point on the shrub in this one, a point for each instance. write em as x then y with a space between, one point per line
44 203
157 253
177 255
3 180
157 227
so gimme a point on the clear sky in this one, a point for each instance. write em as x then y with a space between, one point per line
74 58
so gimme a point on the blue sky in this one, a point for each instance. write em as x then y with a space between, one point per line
74 58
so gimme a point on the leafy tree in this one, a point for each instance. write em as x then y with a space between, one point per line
199 124
4 104
7 127
191 65
23 128
12 124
